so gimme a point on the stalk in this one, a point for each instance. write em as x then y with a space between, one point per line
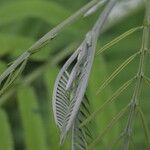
140 77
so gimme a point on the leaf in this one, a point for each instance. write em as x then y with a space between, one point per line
44 10
49 80
145 126
94 8
12 77
70 86
60 97
34 134
108 127
109 100
100 105
147 79
116 72
14 66
15 42
124 9
2 66
6 142
81 136
68 98
64 53
118 39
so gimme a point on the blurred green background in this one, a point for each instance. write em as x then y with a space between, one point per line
26 119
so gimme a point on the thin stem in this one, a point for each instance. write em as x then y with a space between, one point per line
108 127
89 43
51 34
45 39
139 82
118 39
147 80
13 67
116 72
101 21
35 74
113 97
145 126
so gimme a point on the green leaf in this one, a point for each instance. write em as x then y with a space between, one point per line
18 44
97 75
147 80
12 77
81 136
108 101
118 39
145 126
13 44
6 141
116 72
108 127
49 11
2 66
34 134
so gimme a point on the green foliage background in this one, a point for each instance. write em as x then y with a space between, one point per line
26 119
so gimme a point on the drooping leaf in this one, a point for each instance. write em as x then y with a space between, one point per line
49 79
34 134
6 141
70 86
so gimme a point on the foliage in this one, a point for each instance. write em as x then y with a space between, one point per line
114 112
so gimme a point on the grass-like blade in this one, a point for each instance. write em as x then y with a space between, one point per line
33 129
118 39
145 126
44 10
110 100
108 127
14 66
98 73
12 77
17 44
116 72
6 142
95 7
147 79
81 137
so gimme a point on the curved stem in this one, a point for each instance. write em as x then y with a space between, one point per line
45 39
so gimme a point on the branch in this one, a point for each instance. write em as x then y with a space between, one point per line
45 39
108 101
108 127
118 39
140 78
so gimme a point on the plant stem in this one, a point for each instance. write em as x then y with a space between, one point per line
101 21
36 73
118 39
139 82
45 39
15 64
51 34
